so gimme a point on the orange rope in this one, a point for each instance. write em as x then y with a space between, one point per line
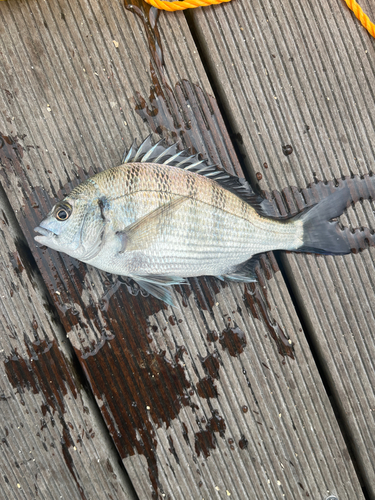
359 14
184 4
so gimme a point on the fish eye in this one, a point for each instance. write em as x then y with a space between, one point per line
63 212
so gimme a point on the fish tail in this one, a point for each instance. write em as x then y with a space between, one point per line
320 234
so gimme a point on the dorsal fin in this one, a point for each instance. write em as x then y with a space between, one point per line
158 153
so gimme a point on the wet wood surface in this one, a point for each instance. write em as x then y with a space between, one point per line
225 396
312 70
53 440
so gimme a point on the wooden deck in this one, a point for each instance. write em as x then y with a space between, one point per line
263 392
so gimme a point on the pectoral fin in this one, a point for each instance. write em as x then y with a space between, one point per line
142 233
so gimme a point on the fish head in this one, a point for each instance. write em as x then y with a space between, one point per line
74 226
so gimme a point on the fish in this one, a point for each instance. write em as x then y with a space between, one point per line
163 216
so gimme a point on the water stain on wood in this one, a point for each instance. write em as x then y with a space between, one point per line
217 424
15 260
10 149
205 439
287 149
205 291
172 112
206 388
23 260
233 340
66 443
153 385
211 363
149 16
243 443
185 433
257 306
44 371
172 449
11 154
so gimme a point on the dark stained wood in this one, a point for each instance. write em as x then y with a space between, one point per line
53 442
220 397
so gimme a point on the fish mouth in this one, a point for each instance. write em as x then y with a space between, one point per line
45 233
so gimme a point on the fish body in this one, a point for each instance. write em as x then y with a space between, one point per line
159 223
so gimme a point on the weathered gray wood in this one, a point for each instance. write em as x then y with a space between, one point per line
53 441
193 411
302 74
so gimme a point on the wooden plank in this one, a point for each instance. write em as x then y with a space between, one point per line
302 74
53 442
198 400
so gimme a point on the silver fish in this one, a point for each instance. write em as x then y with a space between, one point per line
163 216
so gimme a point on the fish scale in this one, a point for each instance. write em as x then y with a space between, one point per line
170 217
210 216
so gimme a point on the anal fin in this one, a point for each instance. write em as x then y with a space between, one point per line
244 272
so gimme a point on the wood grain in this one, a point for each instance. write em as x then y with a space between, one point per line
301 75
220 397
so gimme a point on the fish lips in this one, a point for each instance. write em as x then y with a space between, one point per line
46 235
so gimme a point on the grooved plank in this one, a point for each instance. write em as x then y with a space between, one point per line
198 400
302 74
53 442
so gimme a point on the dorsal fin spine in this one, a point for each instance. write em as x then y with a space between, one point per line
170 156
204 169
128 155
149 153
173 158
164 153
212 174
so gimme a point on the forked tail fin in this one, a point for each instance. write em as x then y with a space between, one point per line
319 234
